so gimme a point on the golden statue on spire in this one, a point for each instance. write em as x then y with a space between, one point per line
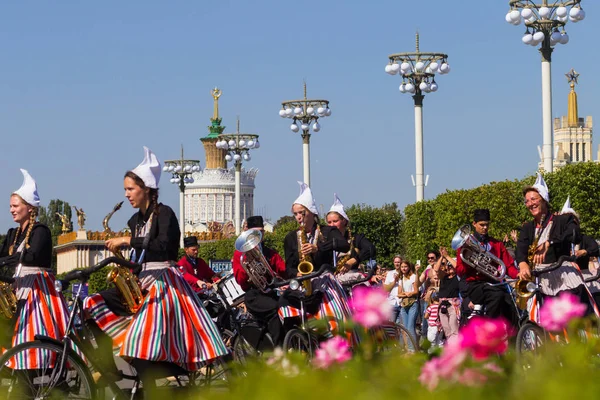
573 114
216 93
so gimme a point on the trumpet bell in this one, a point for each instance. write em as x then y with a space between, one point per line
305 267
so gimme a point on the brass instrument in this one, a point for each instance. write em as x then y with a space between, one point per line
305 266
477 257
127 284
521 287
341 263
8 300
256 266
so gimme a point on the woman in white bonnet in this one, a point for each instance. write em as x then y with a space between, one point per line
27 253
171 333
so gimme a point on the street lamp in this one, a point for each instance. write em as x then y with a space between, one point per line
182 171
545 25
305 114
417 71
238 146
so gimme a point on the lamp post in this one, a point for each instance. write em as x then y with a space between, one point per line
306 112
182 171
238 146
545 25
417 71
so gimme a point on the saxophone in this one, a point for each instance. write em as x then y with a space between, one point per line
305 266
127 284
341 263
523 295
8 300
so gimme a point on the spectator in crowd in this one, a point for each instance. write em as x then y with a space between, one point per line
449 309
408 293
434 331
390 285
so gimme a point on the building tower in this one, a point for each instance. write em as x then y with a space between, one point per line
211 198
572 135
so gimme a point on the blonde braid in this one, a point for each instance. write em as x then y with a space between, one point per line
11 249
32 218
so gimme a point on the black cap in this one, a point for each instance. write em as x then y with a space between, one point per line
481 214
255 221
190 241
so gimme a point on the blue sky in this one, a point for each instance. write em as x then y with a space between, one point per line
85 84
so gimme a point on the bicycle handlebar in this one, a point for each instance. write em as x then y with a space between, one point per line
300 279
553 266
84 274
362 280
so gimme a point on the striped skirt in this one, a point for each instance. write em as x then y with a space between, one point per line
171 325
42 311
334 307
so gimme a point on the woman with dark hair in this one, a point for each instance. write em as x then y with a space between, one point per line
27 252
171 327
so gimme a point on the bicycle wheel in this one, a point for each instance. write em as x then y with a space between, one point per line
242 350
530 340
214 373
301 341
399 339
29 371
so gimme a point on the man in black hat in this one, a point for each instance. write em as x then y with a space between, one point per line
263 306
495 299
195 270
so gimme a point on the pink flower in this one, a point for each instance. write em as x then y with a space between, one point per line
556 312
430 376
472 377
484 337
370 306
335 350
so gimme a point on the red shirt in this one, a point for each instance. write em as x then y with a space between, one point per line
495 247
272 257
193 273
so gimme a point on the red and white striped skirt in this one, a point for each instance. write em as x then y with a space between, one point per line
171 325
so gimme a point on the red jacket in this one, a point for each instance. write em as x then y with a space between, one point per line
272 257
193 273
495 247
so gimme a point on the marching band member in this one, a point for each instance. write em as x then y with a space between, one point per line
361 249
550 237
195 270
321 242
261 304
171 327
496 299
27 251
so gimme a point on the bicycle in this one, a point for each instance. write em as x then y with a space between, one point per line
531 336
62 372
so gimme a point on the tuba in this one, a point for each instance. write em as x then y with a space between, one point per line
477 257
8 300
305 266
256 266
127 284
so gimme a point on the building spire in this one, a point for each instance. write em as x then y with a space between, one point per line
417 41
573 114
216 93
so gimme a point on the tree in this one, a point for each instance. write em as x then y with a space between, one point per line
382 226
283 222
48 216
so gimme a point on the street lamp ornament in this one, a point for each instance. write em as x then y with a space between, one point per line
181 175
305 114
238 146
418 71
545 22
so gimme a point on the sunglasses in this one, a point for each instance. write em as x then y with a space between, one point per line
431 258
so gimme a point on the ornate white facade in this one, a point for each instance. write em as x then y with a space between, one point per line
211 197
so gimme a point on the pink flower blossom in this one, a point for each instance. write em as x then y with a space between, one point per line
484 337
370 306
556 312
335 350
472 377
430 376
